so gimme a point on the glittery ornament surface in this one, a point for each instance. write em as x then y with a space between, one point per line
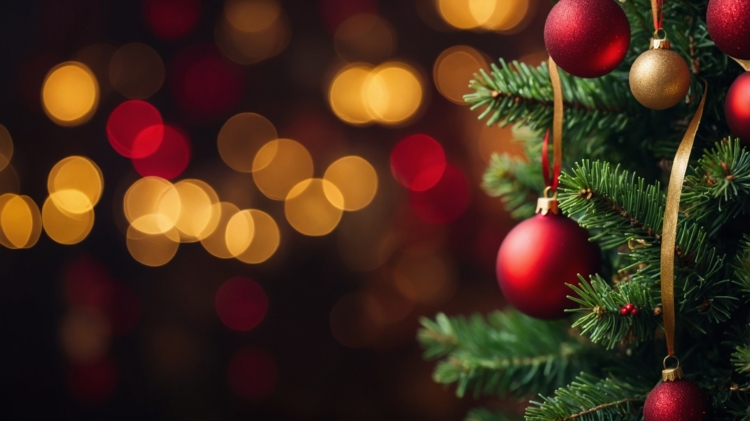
659 79
680 400
729 26
737 108
587 38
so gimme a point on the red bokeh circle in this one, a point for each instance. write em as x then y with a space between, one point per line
127 122
418 162
241 303
172 19
252 373
172 156
444 202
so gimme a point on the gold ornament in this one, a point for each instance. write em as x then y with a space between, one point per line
659 78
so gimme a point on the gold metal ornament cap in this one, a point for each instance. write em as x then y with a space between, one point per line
545 205
671 374
659 78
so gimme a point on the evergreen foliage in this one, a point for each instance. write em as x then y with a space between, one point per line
598 364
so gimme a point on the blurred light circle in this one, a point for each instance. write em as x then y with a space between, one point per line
418 162
504 16
252 373
334 12
20 220
215 243
64 227
249 47
126 124
9 182
198 214
355 179
241 303
425 279
70 94
265 239
205 85
152 205
171 157
172 19
85 334
365 37
241 137
346 94
314 207
454 68
251 15
136 71
75 184
4 199
445 201
279 165
458 13
240 232
6 147
152 249
393 92
92 383
352 324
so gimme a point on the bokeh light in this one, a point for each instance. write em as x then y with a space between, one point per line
85 334
505 16
335 12
352 321
65 227
355 179
172 19
9 182
6 147
170 158
205 84
314 207
126 125
152 205
252 373
265 240
249 47
92 383
418 162
215 243
445 201
20 220
425 279
345 94
393 92
251 15
241 137
75 184
152 249
454 68
70 94
365 37
241 303
198 216
279 165
136 71
240 232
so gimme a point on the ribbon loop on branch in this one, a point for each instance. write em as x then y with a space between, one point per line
551 177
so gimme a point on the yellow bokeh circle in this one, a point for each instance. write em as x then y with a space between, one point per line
355 179
314 207
279 165
75 184
70 94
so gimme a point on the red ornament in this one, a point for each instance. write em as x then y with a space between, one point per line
587 38
737 107
538 258
729 26
678 400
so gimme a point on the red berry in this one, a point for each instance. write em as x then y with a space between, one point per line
629 306
634 312
624 311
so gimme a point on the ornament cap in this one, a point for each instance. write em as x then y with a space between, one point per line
545 205
659 44
671 374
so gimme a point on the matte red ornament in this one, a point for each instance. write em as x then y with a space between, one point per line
679 400
737 107
538 257
729 26
587 38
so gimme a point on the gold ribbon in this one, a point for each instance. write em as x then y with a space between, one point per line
557 117
669 230
744 63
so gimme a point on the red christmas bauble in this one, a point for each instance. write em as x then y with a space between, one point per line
679 400
538 257
587 38
729 26
737 107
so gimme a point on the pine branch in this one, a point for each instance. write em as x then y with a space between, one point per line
592 399
482 414
742 267
516 181
508 353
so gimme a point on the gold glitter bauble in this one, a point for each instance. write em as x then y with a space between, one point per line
659 79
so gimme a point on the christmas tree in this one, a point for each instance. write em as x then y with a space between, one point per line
602 360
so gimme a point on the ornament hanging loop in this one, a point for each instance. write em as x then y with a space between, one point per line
662 32
546 204
671 374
